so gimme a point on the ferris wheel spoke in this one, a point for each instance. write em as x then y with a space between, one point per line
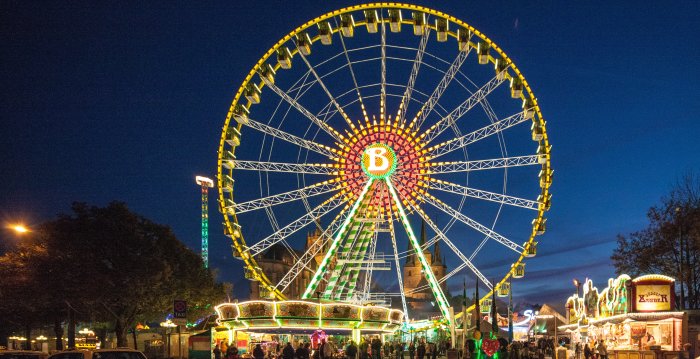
324 126
284 232
382 109
325 89
401 115
451 72
481 194
316 247
478 248
354 79
454 248
429 275
471 223
472 137
444 123
467 166
269 201
398 267
309 145
311 168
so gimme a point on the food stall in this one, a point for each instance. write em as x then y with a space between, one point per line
274 323
635 318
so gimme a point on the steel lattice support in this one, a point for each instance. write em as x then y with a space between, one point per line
454 248
324 126
398 268
466 140
309 191
406 99
435 130
472 223
466 166
296 225
309 145
429 275
284 167
481 194
311 252
441 87
334 245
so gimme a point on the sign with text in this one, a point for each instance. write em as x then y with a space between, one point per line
180 312
652 297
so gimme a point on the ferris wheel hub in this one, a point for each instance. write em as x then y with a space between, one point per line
378 160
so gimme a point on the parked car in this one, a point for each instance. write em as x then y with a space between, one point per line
22 354
119 353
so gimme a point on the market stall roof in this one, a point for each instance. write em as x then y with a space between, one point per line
629 317
306 317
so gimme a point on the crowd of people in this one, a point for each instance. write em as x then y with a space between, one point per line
418 349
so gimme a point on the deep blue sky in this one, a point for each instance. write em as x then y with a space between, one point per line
125 101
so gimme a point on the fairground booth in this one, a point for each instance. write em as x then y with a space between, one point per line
274 323
634 317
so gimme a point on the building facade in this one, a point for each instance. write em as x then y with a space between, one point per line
415 285
277 261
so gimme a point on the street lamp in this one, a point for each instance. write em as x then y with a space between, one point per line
168 325
320 311
19 228
577 283
680 251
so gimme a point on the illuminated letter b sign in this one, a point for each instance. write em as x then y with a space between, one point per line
378 161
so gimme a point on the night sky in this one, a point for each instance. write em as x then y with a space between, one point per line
126 101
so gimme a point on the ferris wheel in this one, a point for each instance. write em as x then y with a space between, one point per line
361 125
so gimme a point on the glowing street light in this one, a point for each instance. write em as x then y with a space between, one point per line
19 228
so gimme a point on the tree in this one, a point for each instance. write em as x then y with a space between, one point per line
104 264
670 244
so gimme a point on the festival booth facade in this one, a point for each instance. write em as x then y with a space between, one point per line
271 323
635 318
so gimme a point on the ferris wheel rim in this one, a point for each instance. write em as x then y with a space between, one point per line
228 223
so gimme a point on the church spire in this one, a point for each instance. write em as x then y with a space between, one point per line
422 233
436 254
411 258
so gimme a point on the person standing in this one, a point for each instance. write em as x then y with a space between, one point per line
398 349
412 350
602 350
351 351
231 352
301 352
364 347
421 350
587 353
217 352
258 352
376 348
327 350
288 352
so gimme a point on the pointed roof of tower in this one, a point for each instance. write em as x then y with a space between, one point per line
436 255
422 233
411 258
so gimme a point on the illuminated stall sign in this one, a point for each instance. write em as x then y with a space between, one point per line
653 293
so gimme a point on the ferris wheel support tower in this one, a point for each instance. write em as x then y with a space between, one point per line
205 183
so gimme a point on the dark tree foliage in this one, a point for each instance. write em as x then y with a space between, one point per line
670 244
111 265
